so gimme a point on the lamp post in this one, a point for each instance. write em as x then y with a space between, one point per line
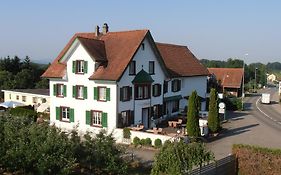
256 78
243 84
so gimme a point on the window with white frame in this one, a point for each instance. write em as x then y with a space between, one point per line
65 114
80 66
102 93
176 85
151 67
23 98
96 118
17 97
132 68
80 93
34 99
156 89
60 90
142 91
125 93
10 96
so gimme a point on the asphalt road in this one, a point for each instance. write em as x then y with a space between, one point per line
257 125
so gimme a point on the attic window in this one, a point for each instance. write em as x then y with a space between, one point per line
142 46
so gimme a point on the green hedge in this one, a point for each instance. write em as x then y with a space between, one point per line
254 160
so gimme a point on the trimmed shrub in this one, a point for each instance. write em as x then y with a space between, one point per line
213 116
254 160
142 141
147 142
126 133
157 143
136 141
167 142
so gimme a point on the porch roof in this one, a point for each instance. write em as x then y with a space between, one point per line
172 98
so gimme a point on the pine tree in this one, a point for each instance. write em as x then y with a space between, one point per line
213 117
193 115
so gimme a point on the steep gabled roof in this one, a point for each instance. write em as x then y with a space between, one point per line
228 77
119 48
116 49
180 62
95 48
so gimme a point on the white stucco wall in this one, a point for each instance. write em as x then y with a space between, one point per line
142 58
189 84
81 106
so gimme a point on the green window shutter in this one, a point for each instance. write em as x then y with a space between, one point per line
64 90
57 113
88 118
85 92
74 66
55 90
104 119
95 93
107 94
85 66
74 91
71 115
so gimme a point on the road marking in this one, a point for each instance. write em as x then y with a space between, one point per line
265 113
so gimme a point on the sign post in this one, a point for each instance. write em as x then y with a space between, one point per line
222 109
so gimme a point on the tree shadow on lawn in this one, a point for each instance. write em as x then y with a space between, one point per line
232 132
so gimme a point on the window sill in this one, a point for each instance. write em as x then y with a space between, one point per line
77 98
132 74
65 121
101 100
142 98
96 126
79 73
59 96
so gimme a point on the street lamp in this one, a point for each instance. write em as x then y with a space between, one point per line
255 78
243 84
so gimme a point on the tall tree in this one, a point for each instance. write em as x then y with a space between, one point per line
193 115
213 117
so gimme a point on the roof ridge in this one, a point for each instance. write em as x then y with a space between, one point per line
169 44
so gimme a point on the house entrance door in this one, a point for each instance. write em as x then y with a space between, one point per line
145 117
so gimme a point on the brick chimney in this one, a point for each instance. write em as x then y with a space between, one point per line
104 28
97 31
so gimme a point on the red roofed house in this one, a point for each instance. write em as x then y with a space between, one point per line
117 79
230 80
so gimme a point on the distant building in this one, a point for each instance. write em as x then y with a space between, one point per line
230 80
32 97
271 78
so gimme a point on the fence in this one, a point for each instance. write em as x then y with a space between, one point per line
225 166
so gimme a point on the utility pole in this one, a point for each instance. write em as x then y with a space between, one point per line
255 79
243 84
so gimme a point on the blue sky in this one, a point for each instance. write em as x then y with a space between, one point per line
214 29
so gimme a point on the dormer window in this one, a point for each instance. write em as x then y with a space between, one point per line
79 66
132 68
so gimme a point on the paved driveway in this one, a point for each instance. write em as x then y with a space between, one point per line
247 127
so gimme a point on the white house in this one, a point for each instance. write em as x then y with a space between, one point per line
117 79
271 77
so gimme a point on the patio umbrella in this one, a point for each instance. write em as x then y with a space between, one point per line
11 104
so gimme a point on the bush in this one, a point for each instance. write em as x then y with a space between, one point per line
157 143
23 111
136 141
126 133
179 158
142 141
147 142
